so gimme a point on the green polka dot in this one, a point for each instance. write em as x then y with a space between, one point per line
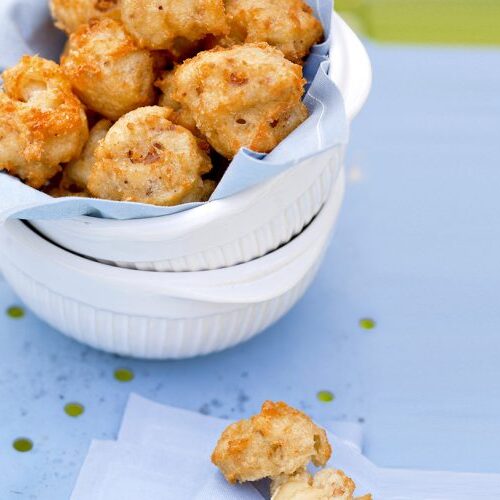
15 312
74 409
22 445
367 323
124 375
325 396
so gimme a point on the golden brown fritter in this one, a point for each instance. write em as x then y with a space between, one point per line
42 123
202 192
174 25
146 158
109 73
334 483
60 192
327 484
279 440
302 476
181 115
71 14
288 25
246 96
76 173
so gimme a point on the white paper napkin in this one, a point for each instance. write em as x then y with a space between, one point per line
127 471
163 453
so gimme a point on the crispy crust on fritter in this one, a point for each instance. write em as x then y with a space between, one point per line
147 158
202 192
327 484
288 25
60 192
181 115
76 173
174 25
42 123
108 71
71 14
279 440
246 96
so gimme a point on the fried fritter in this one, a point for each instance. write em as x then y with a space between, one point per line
327 484
42 123
109 73
279 440
71 14
334 483
288 25
60 192
246 96
76 173
174 25
302 476
202 192
181 115
146 158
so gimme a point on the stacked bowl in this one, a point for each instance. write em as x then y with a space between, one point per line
197 281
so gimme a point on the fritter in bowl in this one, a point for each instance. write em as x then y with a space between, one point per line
181 115
42 123
77 172
61 192
108 71
279 440
288 25
245 96
71 14
146 158
173 25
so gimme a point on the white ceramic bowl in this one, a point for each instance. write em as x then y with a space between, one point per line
162 315
237 229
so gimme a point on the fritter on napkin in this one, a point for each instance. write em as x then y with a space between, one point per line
279 440
279 443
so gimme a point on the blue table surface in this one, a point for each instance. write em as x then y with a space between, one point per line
417 249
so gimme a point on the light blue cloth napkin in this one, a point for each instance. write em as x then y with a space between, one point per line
25 27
